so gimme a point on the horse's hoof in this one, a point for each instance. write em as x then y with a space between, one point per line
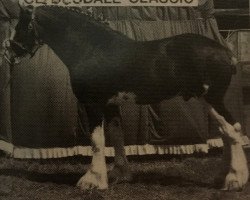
235 181
118 175
92 180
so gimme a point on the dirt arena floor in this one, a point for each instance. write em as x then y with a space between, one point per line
154 178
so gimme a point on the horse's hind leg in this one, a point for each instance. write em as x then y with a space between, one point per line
234 174
120 171
96 176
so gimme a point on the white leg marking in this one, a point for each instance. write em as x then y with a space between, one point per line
235 169
96 176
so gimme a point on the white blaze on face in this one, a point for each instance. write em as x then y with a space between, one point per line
122 98
12 34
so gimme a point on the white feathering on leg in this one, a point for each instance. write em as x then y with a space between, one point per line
235 162
96 176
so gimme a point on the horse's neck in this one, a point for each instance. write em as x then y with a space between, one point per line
69 46
75 45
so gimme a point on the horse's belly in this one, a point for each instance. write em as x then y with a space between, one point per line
156 96
144 96
125 97
139 92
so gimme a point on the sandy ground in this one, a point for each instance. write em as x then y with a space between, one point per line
162 177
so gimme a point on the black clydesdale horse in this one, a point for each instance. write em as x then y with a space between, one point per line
108 69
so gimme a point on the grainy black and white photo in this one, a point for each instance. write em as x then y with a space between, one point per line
124 99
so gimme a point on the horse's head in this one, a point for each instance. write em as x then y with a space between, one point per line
25 39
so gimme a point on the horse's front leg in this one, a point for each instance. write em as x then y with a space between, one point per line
234 175
96 176
120 171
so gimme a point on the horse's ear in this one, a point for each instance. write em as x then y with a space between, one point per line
25 7
21 4
29 8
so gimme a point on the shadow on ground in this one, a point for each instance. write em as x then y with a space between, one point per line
148 178
58 178
152 178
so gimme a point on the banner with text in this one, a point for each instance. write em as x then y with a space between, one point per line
80 3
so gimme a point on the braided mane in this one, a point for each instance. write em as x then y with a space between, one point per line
87 12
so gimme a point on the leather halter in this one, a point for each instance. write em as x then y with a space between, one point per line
33 27
37 42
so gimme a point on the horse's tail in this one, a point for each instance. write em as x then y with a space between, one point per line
233 59
233 64
206 79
